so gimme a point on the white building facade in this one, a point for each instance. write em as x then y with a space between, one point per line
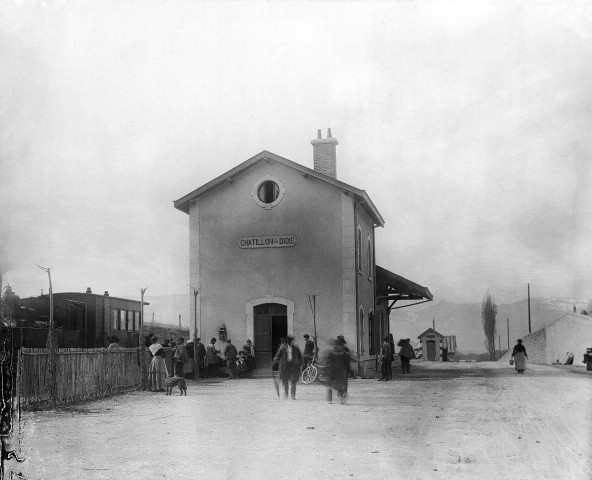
279 249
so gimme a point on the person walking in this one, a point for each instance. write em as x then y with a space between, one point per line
180 357
157 373
386 358
199 357
335 368
288 361
519 355
230 353
309 347
212 357
406 354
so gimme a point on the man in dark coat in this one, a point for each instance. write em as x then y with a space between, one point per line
386 358
288 361
308 351
335 366
406 354
230 352
200 357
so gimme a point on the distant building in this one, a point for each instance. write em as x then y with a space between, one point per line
271 241
83 319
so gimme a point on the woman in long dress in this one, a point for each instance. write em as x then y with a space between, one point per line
158 372
519 355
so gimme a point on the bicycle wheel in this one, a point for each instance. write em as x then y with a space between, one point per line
310 374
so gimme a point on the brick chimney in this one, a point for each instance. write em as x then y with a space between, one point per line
324 154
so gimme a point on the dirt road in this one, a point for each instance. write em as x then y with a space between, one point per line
443 421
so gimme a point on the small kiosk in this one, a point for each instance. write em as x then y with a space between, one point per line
431 342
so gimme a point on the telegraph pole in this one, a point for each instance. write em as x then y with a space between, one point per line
196 366
313 307
51 345
508 327
529 328
143 368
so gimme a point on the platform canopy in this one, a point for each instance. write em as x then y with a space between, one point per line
391 288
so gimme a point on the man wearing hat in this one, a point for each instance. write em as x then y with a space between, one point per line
288 361
335 367
230 352
308 351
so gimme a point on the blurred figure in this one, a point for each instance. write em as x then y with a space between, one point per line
335 367
406 354
180 357
249 350
200 356
230 352
392 345
288 361
114 345
309 347
386 358
212 357
519 355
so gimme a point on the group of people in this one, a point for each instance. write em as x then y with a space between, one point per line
207 357
387 356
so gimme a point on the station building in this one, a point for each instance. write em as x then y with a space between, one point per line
279 249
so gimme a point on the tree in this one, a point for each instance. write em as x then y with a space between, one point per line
488 313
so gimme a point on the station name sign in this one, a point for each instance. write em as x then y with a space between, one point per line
268 241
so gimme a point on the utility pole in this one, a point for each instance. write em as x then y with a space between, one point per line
51 345
508 327
529 329
143 369
433 324
499 344
313 307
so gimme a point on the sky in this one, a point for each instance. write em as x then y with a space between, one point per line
468 124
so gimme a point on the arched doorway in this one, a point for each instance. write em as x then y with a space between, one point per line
270 325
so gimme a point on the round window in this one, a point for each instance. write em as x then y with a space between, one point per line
267 192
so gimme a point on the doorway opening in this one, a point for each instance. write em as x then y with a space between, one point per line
271 324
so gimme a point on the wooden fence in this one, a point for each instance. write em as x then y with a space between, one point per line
81 374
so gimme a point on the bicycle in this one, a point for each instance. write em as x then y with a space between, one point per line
311 372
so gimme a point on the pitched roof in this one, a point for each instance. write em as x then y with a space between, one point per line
430 330
265 156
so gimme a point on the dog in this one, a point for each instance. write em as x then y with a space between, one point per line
172 382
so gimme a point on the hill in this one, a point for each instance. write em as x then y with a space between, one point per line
464 320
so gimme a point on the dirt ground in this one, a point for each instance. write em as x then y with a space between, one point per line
443 421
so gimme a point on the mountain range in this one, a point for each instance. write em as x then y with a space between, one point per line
460 319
